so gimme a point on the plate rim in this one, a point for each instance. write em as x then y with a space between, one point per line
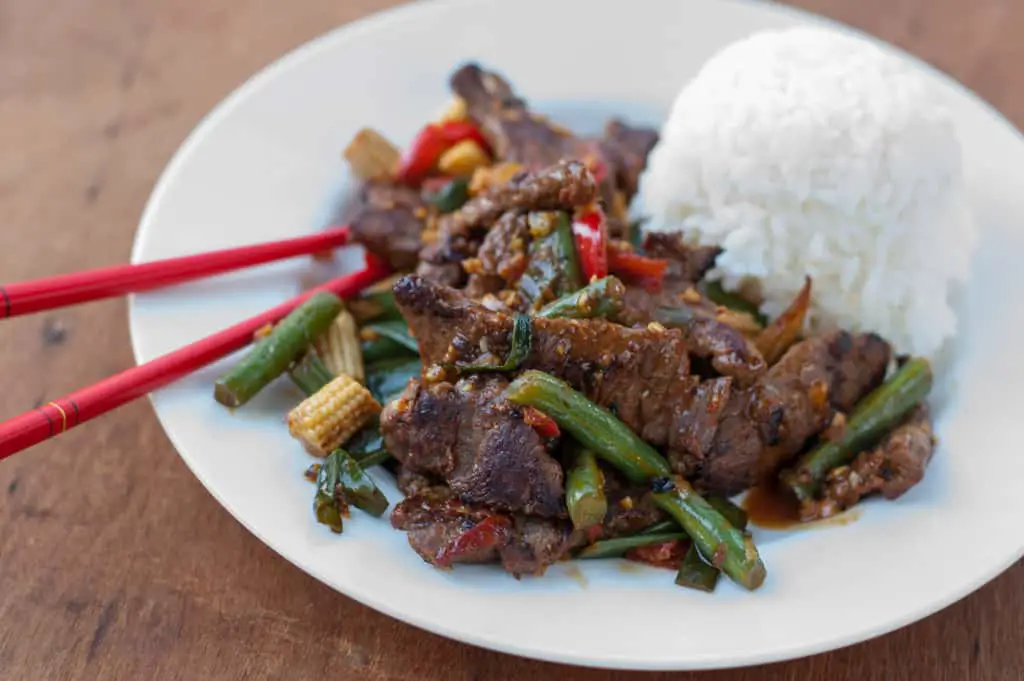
379 21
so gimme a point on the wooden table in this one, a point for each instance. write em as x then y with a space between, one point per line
115 563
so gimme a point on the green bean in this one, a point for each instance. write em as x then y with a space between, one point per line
553 268
451 196
387 379
728 548
592 426
612 548
310 374
584 492
275 352
661 526
736 516
603 298
694 571
872 418
522 343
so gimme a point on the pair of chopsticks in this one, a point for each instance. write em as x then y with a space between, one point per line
62 414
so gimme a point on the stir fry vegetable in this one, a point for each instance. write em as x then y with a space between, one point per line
341 481
428 146
275 352
694 571
553 270
396 331
637 268
882 409
326 420
590 229
613 548
371 155
339 349
310 374
602 298
725 546
784 331
452 195
593 427
329 502
490 532
386 379
584 492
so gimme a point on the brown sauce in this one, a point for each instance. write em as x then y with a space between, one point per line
769 507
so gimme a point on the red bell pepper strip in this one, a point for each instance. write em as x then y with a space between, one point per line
636 268
541 422
432 141
590 230
491 532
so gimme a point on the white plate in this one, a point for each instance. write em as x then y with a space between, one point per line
265 164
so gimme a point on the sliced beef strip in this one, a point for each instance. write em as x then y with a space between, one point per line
562 185
890 469
529 546
411 483
515 134
459 235
632 370
719 435
389 222
796 398
535 544
521 136
432 521
502 256
471 436
627 147
441 260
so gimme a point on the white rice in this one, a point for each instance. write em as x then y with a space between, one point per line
810 152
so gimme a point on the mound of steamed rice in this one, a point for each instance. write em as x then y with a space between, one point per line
810 152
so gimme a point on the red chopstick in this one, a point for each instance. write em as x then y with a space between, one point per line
27 297
62 414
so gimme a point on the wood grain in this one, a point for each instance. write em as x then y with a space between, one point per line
114 562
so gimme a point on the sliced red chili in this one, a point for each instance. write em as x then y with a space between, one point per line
454 132
489 533
428 145
636 268
541 422
590 231
664 555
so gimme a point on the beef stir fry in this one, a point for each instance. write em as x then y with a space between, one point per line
546 382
